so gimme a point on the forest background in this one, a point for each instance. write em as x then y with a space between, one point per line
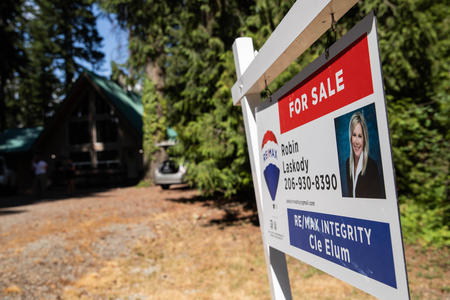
180 53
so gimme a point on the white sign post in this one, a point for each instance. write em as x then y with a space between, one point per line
321 158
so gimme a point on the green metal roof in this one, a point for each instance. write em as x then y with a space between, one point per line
129 103
19 139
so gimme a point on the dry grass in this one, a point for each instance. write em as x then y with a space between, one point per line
198 253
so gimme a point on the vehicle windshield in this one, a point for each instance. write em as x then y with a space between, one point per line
169 166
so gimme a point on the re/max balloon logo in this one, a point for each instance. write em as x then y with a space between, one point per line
270 160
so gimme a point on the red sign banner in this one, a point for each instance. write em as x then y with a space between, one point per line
344 80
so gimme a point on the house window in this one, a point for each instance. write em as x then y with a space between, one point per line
79 133
107 155
77 157
81 160
106 131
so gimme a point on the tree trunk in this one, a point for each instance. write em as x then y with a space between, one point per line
155 73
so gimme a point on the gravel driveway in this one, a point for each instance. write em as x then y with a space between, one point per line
46 246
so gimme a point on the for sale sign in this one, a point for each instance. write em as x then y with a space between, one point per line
329 195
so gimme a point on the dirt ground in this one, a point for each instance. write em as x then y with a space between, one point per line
145 243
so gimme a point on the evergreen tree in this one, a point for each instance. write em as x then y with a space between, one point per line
38 84
46 42
11 53
198 79
74 36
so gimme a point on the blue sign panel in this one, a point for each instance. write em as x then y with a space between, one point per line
360 245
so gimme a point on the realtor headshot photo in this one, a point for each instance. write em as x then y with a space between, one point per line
359 154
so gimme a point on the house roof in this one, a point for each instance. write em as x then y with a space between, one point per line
19 139
127 102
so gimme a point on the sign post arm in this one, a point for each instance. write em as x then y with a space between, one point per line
305 22
275 260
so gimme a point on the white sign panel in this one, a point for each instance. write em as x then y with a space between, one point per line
329 195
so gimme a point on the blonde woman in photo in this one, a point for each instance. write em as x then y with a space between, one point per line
363 180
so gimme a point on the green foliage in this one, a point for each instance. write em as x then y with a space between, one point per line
198 79
215 145
420 154
143 183
72 35
38 85
150 25
11 53
424 225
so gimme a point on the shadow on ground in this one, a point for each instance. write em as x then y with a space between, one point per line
8 201
238 209
11 211
234 218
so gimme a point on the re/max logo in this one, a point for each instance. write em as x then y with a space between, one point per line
270 153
